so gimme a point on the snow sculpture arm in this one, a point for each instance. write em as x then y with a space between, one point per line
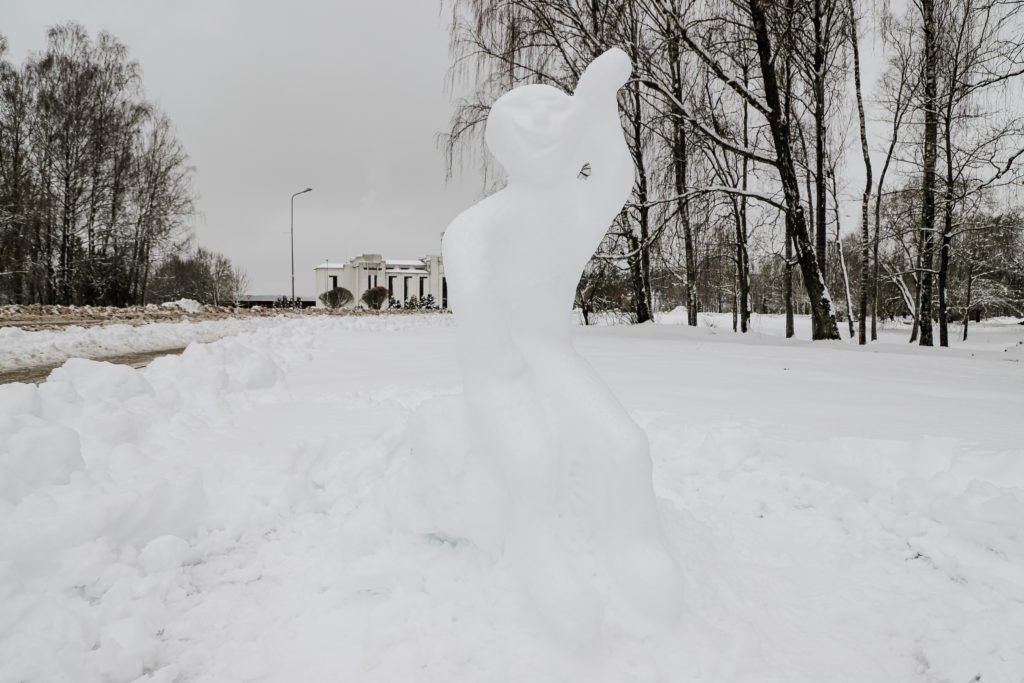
610 159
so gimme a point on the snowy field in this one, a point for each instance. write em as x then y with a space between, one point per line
253 510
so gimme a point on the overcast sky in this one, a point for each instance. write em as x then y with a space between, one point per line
269 98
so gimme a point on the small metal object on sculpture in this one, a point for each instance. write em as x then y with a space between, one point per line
574 467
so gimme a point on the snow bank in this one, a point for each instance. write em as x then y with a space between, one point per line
260 508
100 489
22 349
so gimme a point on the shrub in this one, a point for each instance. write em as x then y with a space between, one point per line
375 297
337 297
285 302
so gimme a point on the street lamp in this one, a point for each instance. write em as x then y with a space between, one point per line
308 189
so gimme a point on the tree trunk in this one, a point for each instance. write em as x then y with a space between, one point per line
735 302
928 178
947 225
967 304
876 239
823 320
640 264
941 281
742 255
916 310
865 277
681 168
742 284
820 187
787 282
846 284
841 257
682 186
641 294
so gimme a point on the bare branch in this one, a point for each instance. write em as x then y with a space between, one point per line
733 82
704 130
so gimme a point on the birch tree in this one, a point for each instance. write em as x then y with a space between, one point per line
758 21
94 185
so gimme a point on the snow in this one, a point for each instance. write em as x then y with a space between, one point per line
569 502
407 271
23 349
259 508
187 305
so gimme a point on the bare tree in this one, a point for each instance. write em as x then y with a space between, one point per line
768 104
91 175
898 90
977 56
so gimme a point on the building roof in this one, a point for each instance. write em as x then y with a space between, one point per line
389 263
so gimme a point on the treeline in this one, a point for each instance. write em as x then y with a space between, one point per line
202 275
743 117
95 188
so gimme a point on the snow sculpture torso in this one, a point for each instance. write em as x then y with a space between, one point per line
574 466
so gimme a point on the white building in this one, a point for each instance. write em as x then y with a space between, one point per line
404 278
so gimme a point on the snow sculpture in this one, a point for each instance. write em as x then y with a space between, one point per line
573 466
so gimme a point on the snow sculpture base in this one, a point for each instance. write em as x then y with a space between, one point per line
571 500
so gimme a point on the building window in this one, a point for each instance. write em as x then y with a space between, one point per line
422 281
369 281
334 281
405 288
444 292
391 286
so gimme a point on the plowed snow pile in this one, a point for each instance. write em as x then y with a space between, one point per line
35 335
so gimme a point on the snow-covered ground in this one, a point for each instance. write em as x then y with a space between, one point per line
253 510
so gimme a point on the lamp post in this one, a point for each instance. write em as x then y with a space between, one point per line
308 189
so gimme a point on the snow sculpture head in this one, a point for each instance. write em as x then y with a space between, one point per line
551 217
537 132
573 465
532 131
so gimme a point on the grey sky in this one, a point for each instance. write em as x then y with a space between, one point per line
272 97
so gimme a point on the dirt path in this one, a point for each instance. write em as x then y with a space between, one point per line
39 373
